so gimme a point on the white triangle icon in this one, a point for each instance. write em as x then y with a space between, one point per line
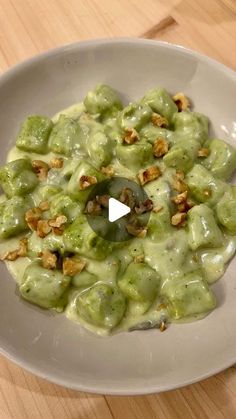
116 210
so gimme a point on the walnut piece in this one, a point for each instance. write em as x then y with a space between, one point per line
86 181
185 205
58 222
103 200
160 147
41 169
181 207
149 174
143 207
23 249
58 231
49 259
127 197
131 136
15 254
180 198
178 219
159 121
11 256
56 163
32 217
93 208
43 228
72 266
137 231
44 205
179 185
181 101
203 152
108 170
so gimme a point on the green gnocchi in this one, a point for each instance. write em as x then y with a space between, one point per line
156 278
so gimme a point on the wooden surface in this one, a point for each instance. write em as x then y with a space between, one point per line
31 26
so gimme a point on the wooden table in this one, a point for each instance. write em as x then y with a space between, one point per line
28 27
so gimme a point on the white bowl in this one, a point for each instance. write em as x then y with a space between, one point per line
50 345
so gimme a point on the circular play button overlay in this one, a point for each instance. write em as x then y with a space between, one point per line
118 209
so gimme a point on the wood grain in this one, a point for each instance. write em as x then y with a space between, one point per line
28 27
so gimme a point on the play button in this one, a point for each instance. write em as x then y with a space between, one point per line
118 209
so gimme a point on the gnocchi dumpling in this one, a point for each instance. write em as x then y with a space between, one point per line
45 288
101 305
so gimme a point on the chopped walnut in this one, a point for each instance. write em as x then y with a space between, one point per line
43 229
86 181
181 207
179 185
32 217
72 266
181 198
58 222
139 259
136 231
181 101
11 256
178 219
149 174
15 254
49 259
41 169
178 182
93 208
157 208
58 231
131 136
56 163
103 200
203 152
159 121
108 170
160 147
44 205
127 197
143 207
162 326
185 206
23 249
